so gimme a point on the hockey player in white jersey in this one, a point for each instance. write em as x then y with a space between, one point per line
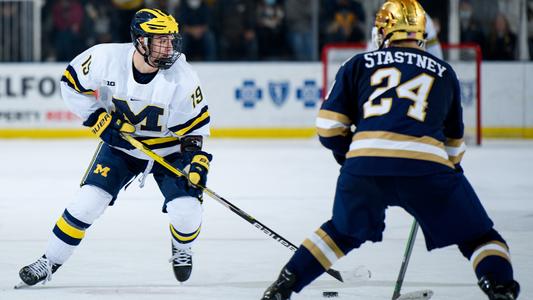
147 90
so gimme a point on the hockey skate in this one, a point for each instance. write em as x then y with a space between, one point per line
39 271
281 289
181 263
507 291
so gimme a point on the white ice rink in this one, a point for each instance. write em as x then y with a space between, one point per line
287 185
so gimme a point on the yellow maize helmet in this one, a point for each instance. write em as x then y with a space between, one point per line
148 24
400 20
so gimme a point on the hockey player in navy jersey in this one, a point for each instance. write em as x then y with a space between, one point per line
406 150
146 89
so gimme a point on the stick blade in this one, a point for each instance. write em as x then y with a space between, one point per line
417 295
335 274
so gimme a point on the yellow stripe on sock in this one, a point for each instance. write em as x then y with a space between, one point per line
184 238
68 229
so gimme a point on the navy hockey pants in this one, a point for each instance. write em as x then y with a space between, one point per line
445 205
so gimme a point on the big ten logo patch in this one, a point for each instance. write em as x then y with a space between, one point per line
101 170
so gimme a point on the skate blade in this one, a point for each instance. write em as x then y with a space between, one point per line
417 295
21 285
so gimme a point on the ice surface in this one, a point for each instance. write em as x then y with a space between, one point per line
287 185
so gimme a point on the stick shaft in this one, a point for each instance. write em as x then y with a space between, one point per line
405 261
334 273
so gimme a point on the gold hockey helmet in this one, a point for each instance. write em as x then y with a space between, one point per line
400 20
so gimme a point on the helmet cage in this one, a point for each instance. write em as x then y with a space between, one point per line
147 27
156 55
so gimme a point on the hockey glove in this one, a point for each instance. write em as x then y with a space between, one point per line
198 165
108 127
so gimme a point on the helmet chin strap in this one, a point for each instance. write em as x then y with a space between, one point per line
145 51
385 40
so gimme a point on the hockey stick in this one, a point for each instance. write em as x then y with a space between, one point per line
421 295
334 273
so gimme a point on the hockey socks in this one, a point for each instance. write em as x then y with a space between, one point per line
490 257
318 253
70 228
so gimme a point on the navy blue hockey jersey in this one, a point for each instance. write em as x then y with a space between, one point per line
405 106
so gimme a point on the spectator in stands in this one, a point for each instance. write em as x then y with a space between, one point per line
68 18
346 22
170 6
502 42
270 30
198 39
471 31
123 12
9 50
235 29
299 28
530 28
98 27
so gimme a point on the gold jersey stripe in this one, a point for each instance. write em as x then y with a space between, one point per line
329 241
454 142
457 159
387 135
68 229
184 238
335 116
399 154
332 132
204 116
317 253
484 254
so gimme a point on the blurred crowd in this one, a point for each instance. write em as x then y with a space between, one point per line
230 30
212 30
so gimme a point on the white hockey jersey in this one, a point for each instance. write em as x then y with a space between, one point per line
170 106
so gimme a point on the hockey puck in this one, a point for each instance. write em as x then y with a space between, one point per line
330 294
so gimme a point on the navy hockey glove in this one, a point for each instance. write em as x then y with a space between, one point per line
108 127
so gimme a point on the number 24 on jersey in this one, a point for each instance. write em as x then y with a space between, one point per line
416 90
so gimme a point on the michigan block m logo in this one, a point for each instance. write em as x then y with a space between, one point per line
101 170
150 115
